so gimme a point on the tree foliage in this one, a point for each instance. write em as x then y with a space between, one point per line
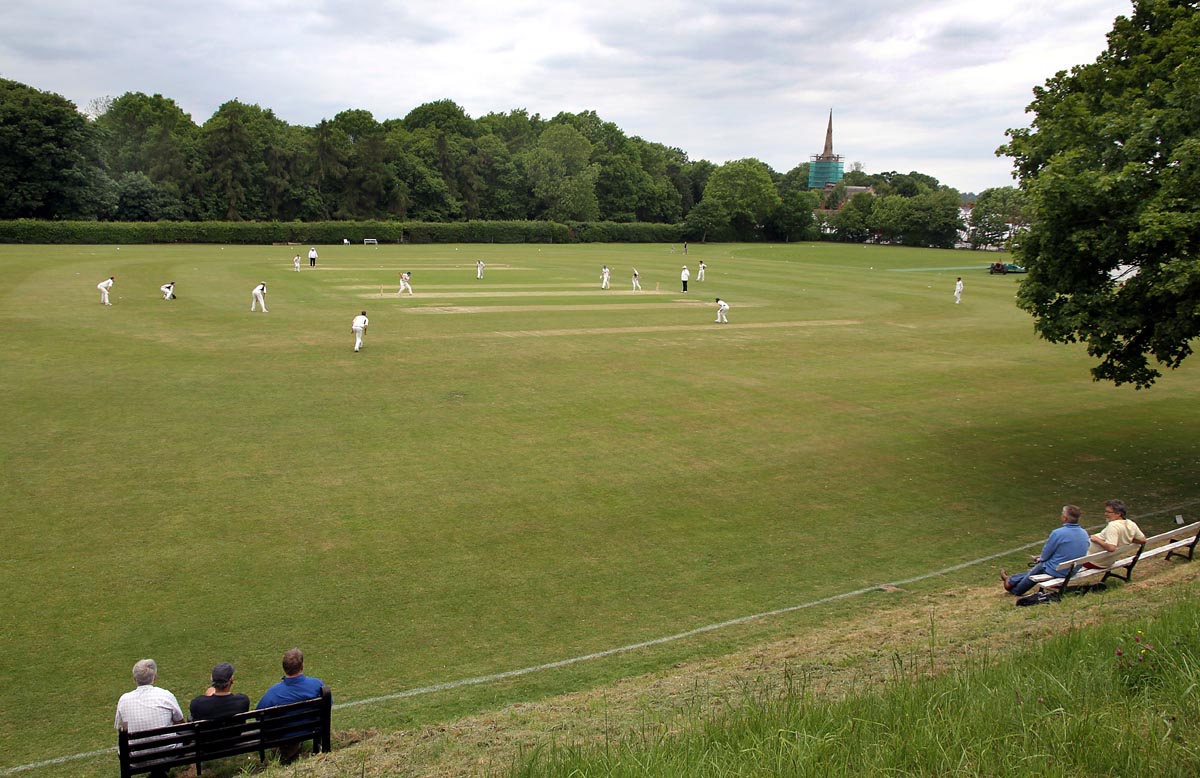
139 157
45 147
1111 165
998 215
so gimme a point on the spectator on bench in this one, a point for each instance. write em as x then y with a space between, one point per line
295 686
219 701
147 706
1069 541
1118 531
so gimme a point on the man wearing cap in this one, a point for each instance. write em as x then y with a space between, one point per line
312 257
219 700
683 277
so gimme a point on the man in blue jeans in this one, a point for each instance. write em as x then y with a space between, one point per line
1070 541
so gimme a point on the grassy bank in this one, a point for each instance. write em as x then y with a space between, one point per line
1113 699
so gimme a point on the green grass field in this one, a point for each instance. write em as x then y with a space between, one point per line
514 471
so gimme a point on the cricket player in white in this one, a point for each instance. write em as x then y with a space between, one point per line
358 327
479 266
722 307
637 285
604 277
404 283
167 290
296 263
700 272
258 299
958 287
104 286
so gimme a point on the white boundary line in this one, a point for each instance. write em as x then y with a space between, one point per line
441 687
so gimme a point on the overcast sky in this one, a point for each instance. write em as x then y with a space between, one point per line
926 85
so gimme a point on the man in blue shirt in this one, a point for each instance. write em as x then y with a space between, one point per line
295 685
1070 541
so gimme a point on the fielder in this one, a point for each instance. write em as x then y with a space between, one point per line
637 284
604 277
405 277
258 297
104 286
958 289
358 326
722 307
700 271
296 263
479 266
168 291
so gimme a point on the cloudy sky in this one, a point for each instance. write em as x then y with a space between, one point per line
926 85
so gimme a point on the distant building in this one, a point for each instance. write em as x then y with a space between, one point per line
825 169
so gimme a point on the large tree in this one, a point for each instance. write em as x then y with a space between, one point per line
745 191
1112 167
45 151
997 216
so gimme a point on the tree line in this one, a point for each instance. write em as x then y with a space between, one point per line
142 158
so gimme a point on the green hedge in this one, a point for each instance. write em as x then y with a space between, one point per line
625 232
326 233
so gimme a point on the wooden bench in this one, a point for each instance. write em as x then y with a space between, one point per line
1180 542
194 742
1119 563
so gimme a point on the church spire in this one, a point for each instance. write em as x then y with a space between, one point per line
828 152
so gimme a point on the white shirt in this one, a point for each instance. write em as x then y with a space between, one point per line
684 275
360 322
312 253
147 707
723 306
105 284
958 286
166 288
260 289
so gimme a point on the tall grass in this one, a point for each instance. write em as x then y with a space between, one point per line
1115 699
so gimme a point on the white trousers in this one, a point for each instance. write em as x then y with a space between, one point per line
358 332
637 284
721 317
258 300
104 295
700 276
405 285
604 282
